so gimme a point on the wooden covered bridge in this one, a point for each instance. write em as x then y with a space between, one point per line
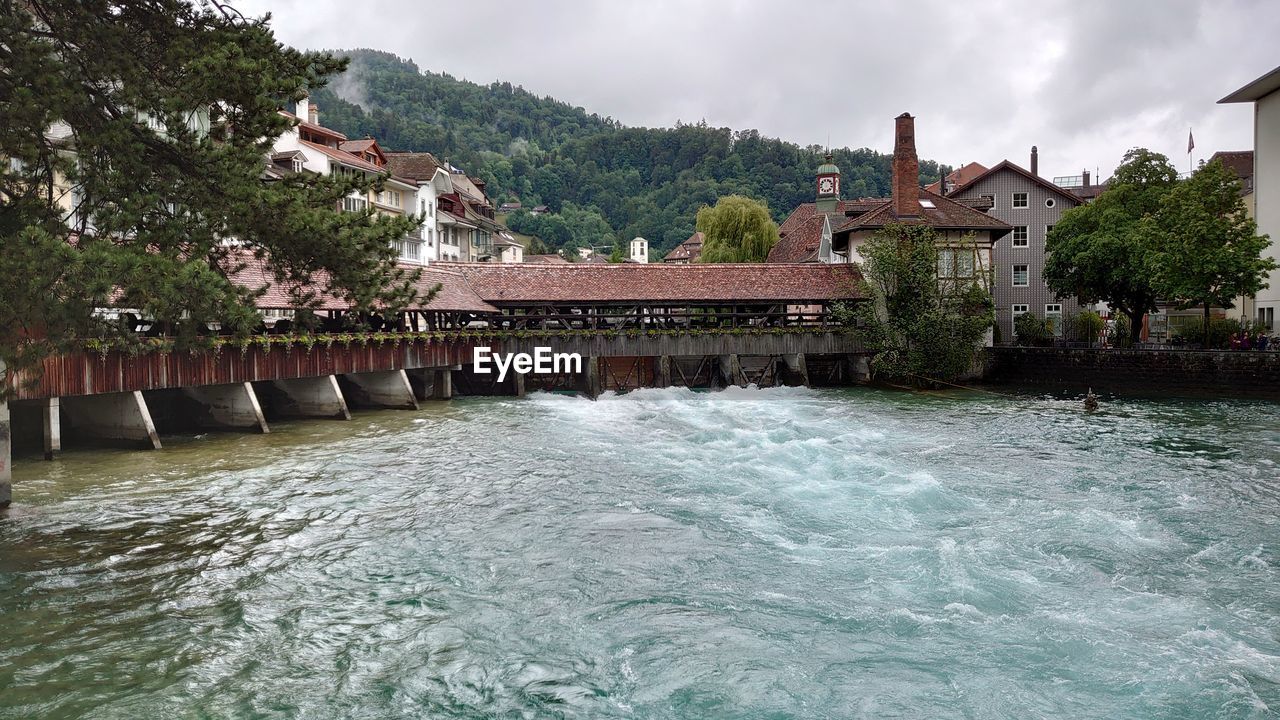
634 325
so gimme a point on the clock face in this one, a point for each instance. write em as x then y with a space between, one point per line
827 186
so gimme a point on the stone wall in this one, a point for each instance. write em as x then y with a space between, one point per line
1173 373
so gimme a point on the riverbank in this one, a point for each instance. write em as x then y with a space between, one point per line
1158 373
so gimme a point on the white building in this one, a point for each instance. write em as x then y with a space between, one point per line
639 250
438 229
1264 93
309 146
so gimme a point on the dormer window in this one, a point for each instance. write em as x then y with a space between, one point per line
927 204
297 165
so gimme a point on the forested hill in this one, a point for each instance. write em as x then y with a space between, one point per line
604 180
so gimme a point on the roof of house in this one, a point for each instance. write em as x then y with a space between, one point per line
302 123
1256 90
799 237
419 166
690 249
1019 170
1239 162
357 146
466 186
546 259
655 282
1090 192
946 214
343 157
958 177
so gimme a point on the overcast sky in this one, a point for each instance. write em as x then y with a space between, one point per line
1082 79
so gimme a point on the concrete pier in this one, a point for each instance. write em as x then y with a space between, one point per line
316 397
662 371
233 405
113 416
797 369
382 389
52 414
591 377
731 371
6 454
443 384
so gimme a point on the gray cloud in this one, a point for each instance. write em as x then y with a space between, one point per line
1083 79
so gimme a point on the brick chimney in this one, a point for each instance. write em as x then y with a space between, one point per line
1035 161
1084 178
906 168
313 114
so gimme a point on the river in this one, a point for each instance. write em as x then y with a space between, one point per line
661 554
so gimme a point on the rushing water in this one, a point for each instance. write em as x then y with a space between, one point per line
663 554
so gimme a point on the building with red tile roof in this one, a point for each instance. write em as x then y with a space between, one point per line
689 251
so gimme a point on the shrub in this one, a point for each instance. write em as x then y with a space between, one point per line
1221 331
1087 326
1031 330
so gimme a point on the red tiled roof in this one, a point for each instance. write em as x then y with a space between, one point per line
419 166
639 282
690 249
1013 167
545 260
455 292
946 214
345 158
357 146
1239 162
801 233
962 175
314 127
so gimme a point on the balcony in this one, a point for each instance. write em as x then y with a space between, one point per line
408 249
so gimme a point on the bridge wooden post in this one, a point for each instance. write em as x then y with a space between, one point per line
114 416
517 382
662 371
6 454
52 408
234 405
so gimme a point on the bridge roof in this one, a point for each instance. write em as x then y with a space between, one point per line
522 283
455 293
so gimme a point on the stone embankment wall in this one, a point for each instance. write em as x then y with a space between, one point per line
1171 373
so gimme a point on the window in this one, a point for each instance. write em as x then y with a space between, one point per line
1020 276
1047 229
1020 200
946 263
989 198
354 204
927 204
964 264
1053 315
1020 236
390 198
1050 202
297 165
1267 316
1020 310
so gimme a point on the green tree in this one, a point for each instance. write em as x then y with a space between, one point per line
159 114
1205 249
920 329
737 229
1097 252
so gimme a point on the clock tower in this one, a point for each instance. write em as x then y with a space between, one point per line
828 186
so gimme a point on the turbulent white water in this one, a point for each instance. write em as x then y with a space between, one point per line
749 553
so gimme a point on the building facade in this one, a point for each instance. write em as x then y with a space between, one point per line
1031 206
1264 93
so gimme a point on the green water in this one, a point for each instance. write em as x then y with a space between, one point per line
664 554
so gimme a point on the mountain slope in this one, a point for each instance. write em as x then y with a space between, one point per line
609 181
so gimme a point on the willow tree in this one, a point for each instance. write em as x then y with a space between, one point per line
737 229
134 134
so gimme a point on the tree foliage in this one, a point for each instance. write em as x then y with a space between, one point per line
1096 252
1204 248
110 96
647 182
921 330
737 229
